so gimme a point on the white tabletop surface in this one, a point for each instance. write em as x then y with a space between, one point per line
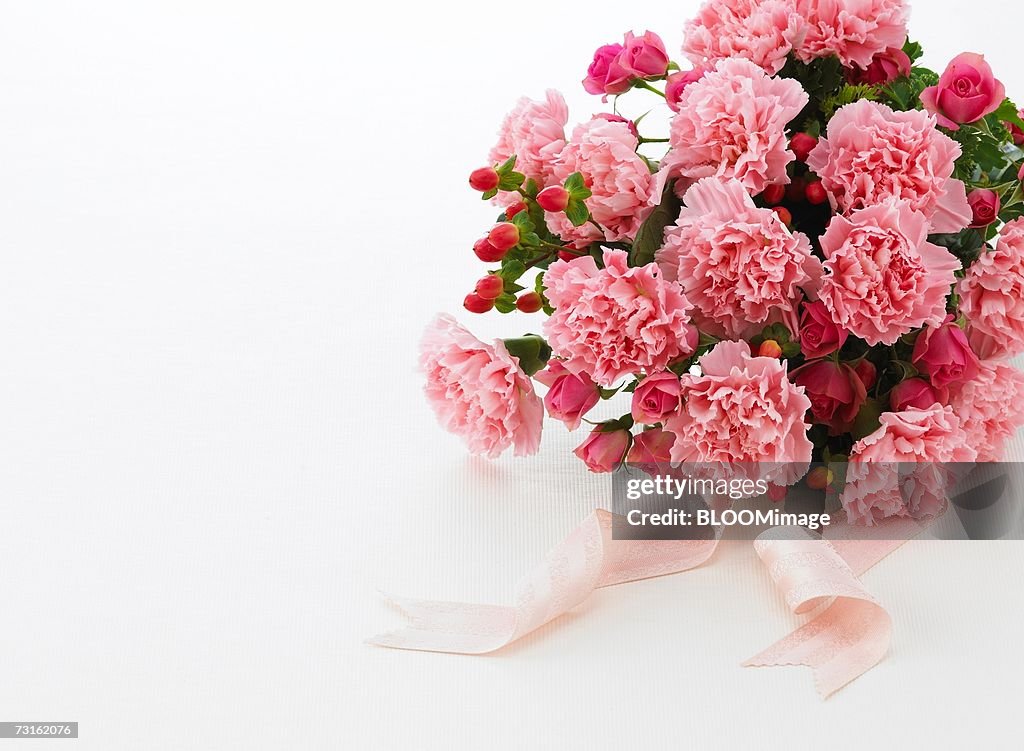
222 228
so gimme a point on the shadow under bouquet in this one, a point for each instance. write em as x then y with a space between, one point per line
820 261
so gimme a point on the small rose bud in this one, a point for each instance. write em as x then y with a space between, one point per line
490 287
820 478
484 179
784 215
529 303
676 84
774 194
487 252
770 348
514 209
802 145
913 393
553 199
816 193
985 207
504 236
867 372
568 255
476 304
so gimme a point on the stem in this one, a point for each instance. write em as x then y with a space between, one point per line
653 140
642 84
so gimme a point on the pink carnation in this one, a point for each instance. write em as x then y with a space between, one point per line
732 124
853 30
871 153
742 409
761 31
991 408
535 132
622 186
479 392
616 321
992 296
877 488
883 278
739 265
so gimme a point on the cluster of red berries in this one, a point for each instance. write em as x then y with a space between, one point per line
490 288
800 189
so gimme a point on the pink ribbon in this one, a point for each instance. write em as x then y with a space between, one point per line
849 635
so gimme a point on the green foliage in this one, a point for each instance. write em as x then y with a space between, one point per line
651 235
822 79
965 245
849 94
913 50
533 352
577 212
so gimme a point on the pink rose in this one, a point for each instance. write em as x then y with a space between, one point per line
985 207
945 355
992 296
742 409
884 68
677 83
606 75
871 152
570 395
819 334
991 407
622 187
604 449
732 124
761 31
479 392
739 265
835 391
853 30
867 372
1015 130
616 321
535 132
656 398
883 278
913 393
644 56
652 448
966 92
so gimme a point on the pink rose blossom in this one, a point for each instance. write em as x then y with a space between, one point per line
761 31
742 409
676 84
853 30
644 56
877 488
656 398
913 393
985 206
606 75
732 124
836 393
535 132
992 297
739 265
479 392
652 448
883 278
966 92
620 181
886 67
1015 130
616 321
819 335
570 395
991 408
871 153
944 355
604 450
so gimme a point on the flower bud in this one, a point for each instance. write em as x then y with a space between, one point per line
784 215
985 207
553 199
770 348
504 236
529 303
487 252
514 209
490 287
913 393
816 194
604 449
774 194
484 179
476 304
802 145
867 372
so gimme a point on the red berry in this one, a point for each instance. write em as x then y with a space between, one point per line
567 255
504 236
802 145
484 179
487 252
820 478
554 199
784 215
476 304
490 287
774 194
816 193
777 493
514 209
529 303
796 191
770 348
867 373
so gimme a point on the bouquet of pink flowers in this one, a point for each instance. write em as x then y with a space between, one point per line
825 261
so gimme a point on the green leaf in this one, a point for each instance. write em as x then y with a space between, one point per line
511 180
577 212
533 352
1008 112
489 194
868 419
651 235
575 182
507 165
511 271
914 50
505 303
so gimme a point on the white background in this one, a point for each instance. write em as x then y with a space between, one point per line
222 228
